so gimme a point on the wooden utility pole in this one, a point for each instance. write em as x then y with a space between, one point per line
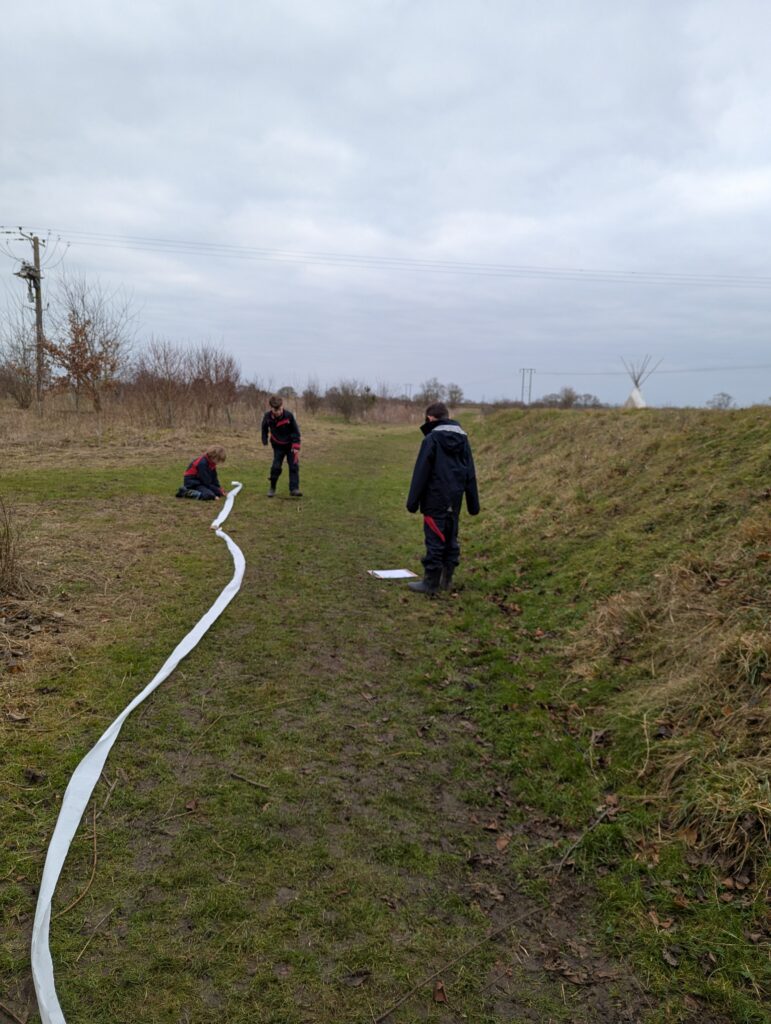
39 340
32 274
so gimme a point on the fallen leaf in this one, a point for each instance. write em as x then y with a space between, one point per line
191 805
689 835
669 957
357 978
503 841
491 826
440 996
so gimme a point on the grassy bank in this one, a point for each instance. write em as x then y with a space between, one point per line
624 565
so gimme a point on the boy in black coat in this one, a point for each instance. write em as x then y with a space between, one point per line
200 480
444 472
280 425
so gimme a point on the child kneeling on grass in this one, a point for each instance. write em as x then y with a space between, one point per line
200 480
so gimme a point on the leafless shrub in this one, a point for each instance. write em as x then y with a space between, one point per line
431 391
11 580
312 397
454 394
18 365
214 381
160 381
350 398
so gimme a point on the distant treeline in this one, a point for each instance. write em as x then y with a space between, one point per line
90 355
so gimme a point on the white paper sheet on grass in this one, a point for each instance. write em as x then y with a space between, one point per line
391 574
86 776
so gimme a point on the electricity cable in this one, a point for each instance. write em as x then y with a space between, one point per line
190 247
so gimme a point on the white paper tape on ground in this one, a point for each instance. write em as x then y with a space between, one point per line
86 776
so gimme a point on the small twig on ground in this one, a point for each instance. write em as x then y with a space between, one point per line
93 872
11 1014
210 726
519 919
109 794
93 933
243 778
644 768
601 817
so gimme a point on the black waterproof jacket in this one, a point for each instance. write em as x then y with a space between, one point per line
444 471
282 430
201 471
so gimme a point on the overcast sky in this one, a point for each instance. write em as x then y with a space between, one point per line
411 188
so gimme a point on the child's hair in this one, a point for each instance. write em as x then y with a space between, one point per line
216 452
438 410
275 401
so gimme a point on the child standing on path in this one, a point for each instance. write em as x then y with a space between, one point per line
444 472
200 480
281 427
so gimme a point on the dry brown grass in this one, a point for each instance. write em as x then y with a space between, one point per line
129 422
700 637
13 581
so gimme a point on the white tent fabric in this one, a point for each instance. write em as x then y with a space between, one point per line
635 400
86 776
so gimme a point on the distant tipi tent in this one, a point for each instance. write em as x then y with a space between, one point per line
639 373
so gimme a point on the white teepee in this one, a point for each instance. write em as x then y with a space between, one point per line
639 372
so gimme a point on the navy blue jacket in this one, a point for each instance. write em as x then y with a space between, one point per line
444 471
201 471
283 430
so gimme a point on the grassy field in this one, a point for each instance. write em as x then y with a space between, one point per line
543 797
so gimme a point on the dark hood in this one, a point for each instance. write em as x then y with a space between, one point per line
447 433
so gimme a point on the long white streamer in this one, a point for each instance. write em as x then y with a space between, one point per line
86 776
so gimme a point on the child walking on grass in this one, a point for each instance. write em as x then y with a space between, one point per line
280 427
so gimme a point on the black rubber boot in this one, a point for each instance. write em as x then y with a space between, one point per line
445 582
429 584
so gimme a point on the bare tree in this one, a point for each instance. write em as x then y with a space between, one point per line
215 379
431 391
312 396
91 331
161 380
350 398
454 394
722 400
18 368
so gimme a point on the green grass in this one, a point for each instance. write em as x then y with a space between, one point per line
384 733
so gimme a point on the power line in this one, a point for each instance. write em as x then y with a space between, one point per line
619 373
169 246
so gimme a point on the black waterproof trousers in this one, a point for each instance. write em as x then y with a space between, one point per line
281 452
441 536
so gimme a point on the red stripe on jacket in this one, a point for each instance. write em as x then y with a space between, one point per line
431 524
